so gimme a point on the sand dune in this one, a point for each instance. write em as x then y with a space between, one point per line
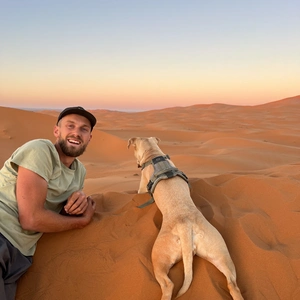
243 163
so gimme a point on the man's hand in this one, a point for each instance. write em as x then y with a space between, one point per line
77 203
89 212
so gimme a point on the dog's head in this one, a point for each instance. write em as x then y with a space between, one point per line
143 147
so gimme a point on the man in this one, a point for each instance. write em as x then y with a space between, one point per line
40 190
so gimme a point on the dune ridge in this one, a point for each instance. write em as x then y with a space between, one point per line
243 165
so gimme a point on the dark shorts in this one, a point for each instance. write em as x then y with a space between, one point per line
13 264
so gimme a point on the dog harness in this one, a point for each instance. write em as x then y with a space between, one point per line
162 170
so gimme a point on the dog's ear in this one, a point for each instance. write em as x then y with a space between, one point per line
157 139
131 141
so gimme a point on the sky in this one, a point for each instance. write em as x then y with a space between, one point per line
140 54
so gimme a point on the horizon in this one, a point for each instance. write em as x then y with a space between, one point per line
132 55
41 108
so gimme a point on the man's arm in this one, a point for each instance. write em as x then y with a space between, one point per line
31 193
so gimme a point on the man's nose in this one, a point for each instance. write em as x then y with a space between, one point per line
76 132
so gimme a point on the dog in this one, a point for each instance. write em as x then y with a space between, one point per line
184 232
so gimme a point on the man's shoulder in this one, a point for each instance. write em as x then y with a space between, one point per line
36 148
42 144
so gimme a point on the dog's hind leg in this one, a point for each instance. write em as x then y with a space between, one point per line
165 254
226 266
161 270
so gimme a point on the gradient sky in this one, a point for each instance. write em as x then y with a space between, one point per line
137 55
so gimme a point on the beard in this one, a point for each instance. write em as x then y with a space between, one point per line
70 150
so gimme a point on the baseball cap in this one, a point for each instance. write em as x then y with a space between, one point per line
78 110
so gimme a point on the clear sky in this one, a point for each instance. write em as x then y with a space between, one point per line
140 54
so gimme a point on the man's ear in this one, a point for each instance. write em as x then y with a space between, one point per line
131 141
56 131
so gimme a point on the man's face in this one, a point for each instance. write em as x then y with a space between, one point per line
73 134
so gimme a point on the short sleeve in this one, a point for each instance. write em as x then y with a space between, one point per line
38 156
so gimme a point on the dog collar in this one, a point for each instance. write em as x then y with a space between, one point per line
154 161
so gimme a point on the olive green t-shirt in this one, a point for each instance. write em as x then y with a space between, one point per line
41 157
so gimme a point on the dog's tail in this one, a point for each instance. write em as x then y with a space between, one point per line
187 258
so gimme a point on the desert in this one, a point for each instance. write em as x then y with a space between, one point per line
243 165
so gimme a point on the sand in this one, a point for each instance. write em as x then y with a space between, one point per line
243 163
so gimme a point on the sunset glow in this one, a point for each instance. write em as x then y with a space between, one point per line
148 54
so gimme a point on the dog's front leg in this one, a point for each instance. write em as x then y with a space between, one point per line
143 184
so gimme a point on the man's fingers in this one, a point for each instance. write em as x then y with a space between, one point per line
78 210
76 202
71 200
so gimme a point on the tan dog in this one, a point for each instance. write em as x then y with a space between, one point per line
184 231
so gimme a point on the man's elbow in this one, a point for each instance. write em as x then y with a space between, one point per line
28 223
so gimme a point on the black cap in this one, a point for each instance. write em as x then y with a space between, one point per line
78 110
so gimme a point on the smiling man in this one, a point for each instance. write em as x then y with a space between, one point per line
40 190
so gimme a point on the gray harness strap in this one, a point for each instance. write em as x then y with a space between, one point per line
162 170
150 201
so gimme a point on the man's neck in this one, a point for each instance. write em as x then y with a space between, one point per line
66 160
